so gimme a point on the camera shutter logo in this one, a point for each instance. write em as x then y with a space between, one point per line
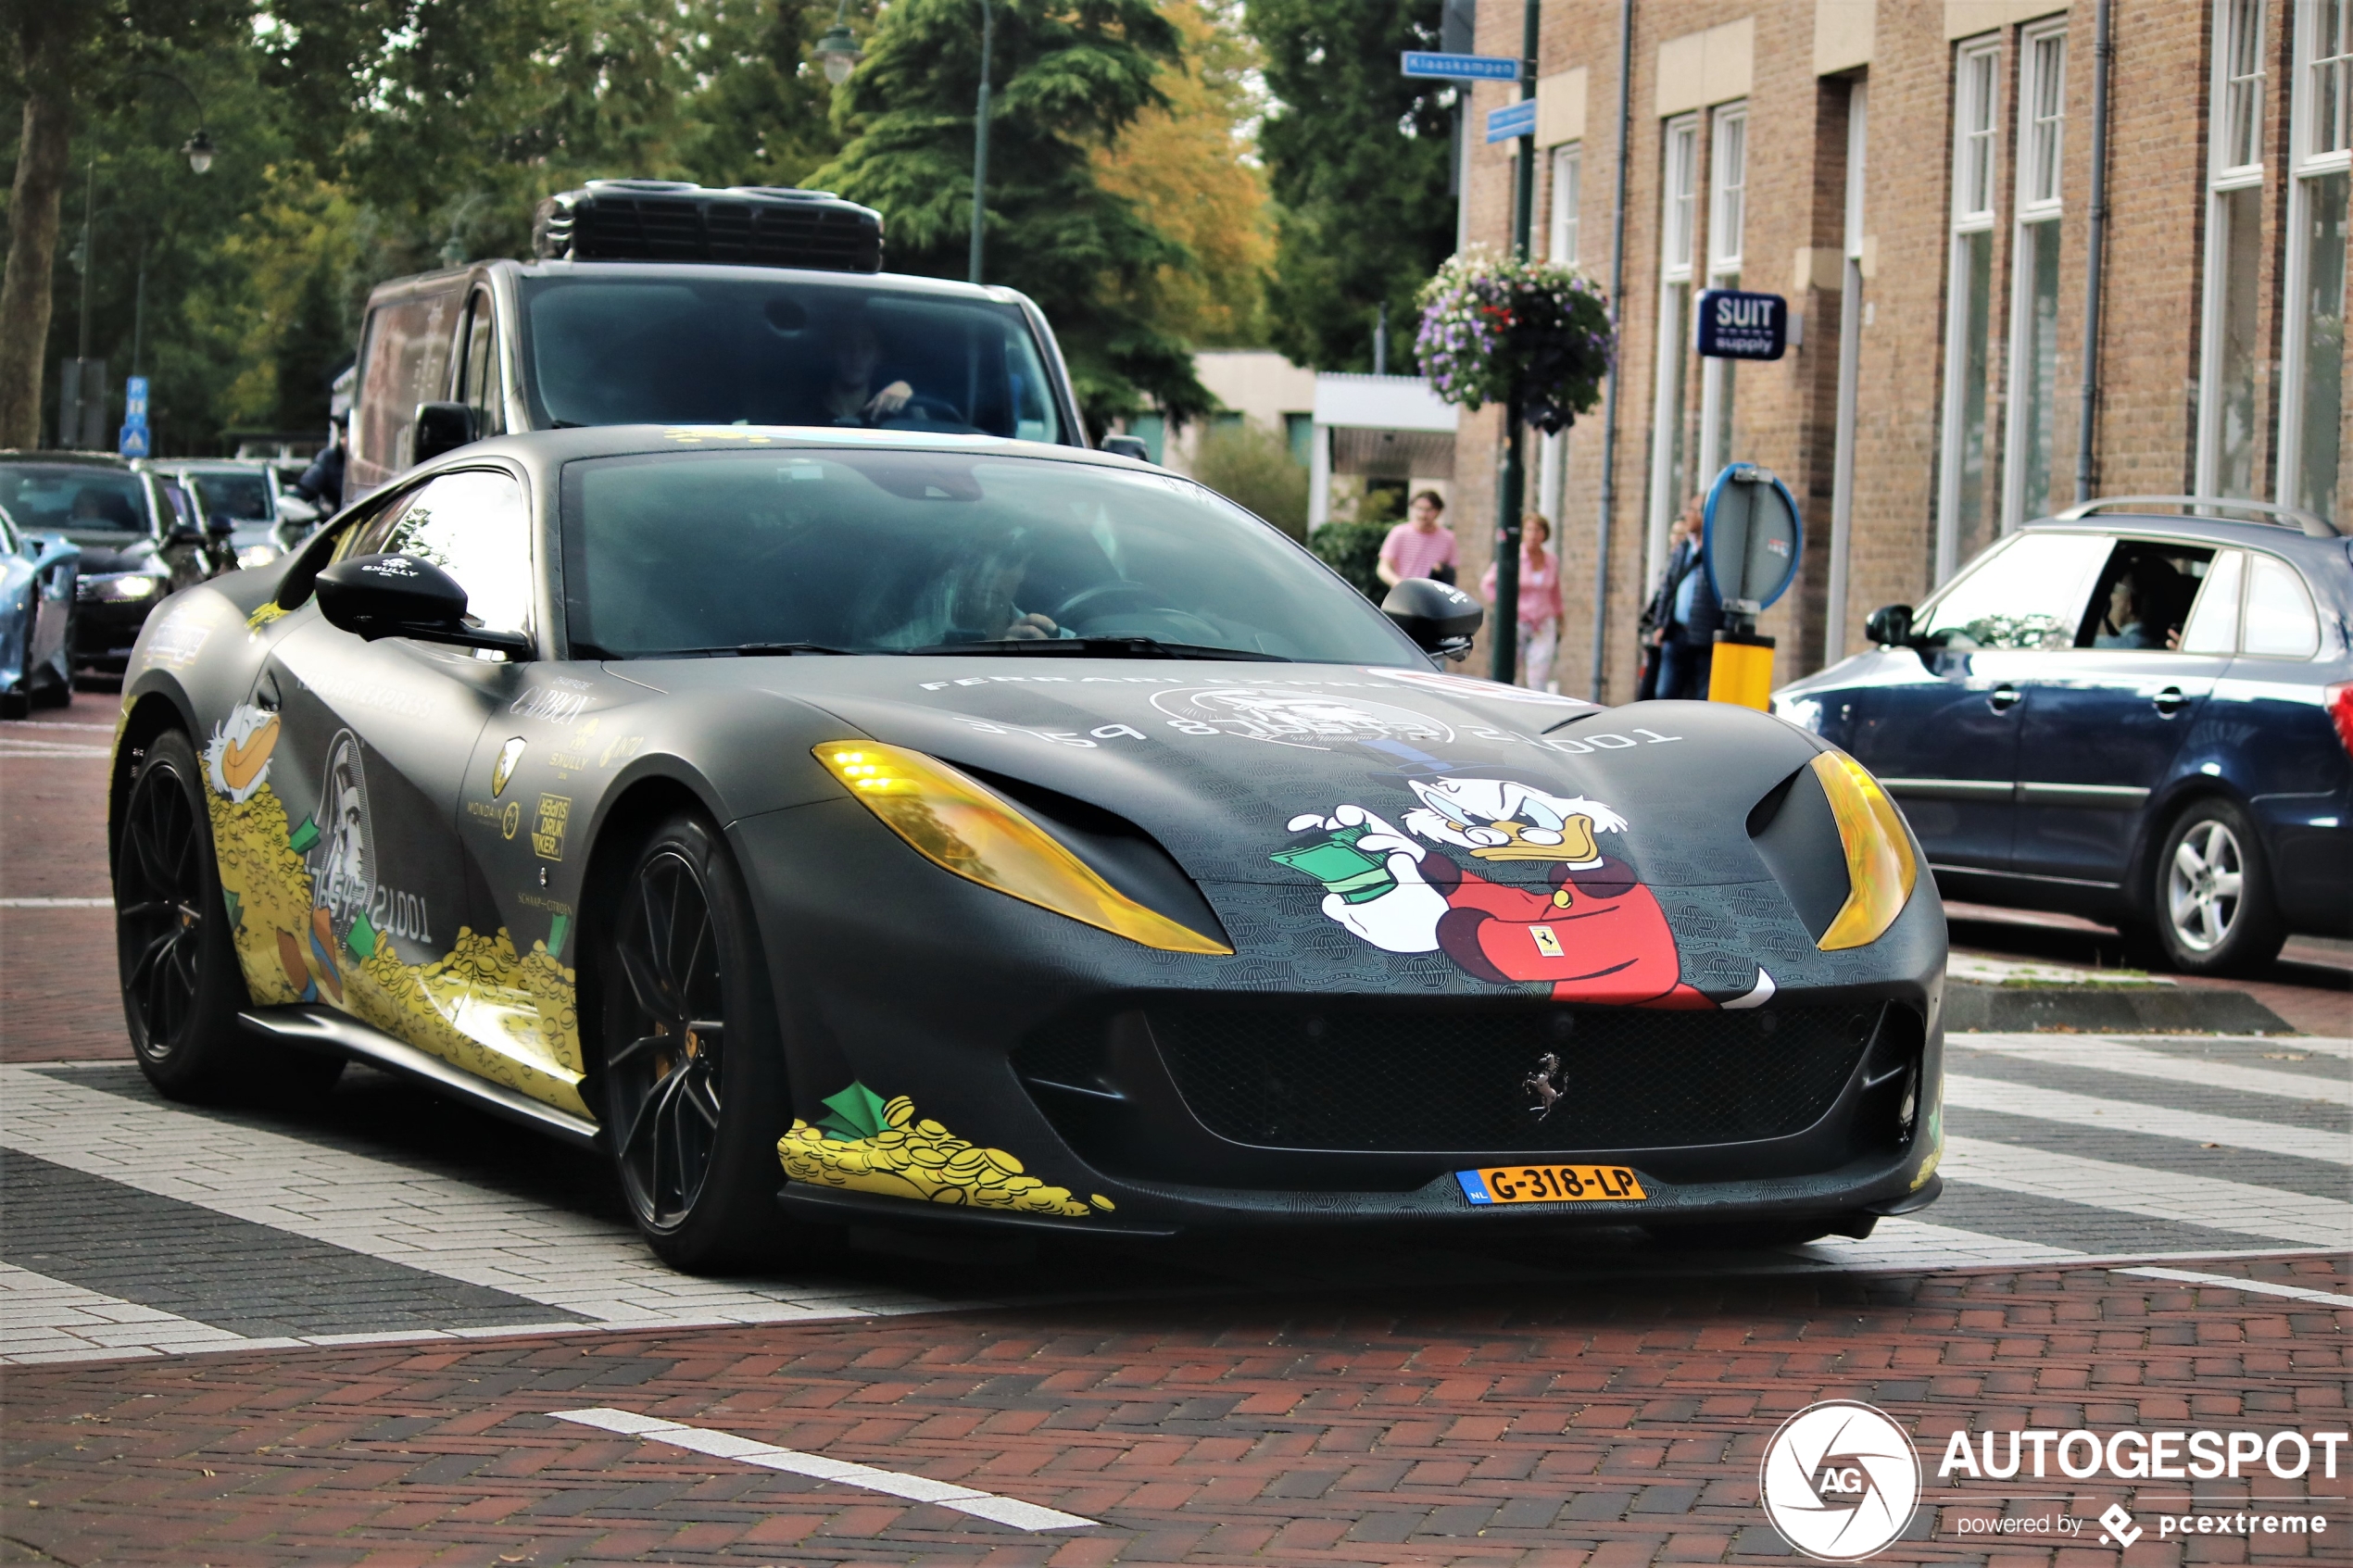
1840 1480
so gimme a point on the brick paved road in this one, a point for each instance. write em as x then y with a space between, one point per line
1601 1408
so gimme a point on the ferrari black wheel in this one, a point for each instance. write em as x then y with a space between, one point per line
181 988
694 1082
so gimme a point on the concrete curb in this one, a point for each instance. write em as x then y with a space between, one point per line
2107 1009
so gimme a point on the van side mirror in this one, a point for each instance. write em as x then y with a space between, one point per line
1126 447
1439 616
374 596
442 427
1890 626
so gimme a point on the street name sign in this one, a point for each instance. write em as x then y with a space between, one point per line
1460 68
1736 324
1513 119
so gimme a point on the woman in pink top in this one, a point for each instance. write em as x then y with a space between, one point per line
1539 601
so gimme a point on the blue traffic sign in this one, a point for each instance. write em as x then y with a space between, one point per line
134 400
1461 67
1734 324
133 443
1511 119
1751 539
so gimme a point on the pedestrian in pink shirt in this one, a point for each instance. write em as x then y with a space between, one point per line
1420 544
1539 601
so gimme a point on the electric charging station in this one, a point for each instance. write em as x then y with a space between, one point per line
1751 541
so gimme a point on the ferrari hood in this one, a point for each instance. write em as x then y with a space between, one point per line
1250 773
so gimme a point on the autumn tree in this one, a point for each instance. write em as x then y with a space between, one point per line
1069 77
1358 157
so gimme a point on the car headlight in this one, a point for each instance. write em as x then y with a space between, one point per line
118 586
960 825
1880 865
257 555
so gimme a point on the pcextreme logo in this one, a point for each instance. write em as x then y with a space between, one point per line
1840 1480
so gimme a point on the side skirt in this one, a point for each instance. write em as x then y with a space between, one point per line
323 1029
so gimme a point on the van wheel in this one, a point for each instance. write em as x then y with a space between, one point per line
2211 894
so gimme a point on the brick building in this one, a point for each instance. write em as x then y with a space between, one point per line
1916 178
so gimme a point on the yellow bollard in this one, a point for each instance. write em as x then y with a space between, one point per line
1742 670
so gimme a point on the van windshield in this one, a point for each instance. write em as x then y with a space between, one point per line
612 349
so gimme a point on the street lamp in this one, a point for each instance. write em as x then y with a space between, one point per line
199 151
198 148
838 51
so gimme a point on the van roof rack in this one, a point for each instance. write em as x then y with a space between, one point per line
2311 524
677 220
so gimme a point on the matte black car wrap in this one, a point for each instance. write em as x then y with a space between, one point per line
1597 937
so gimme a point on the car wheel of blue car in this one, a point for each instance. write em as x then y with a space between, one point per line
693 1073
2214 909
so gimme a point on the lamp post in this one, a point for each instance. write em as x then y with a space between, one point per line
837 52
1512 483
198 148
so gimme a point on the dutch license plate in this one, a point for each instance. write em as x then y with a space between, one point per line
1551 1184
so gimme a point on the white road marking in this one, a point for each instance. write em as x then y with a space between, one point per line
2260 1286
2104 1055
57 903
893 1483
1902 1243
9 747
597 1268
15 725
2158 1194
2129 1116
44 1320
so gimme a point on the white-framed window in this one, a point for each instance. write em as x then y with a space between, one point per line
1568 167
2321 172
1965 509
2035 275
1727 223
2229 403
1671 478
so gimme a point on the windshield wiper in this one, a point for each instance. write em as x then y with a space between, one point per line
747 650
1102 647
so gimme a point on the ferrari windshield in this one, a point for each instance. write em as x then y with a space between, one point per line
608 350
890 551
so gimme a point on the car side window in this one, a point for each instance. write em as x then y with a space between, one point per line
406 363
2213 626
474 525
2280 619
480 384
365 535
2144 594
2028 594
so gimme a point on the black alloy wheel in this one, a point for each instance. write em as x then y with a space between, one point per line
693 1073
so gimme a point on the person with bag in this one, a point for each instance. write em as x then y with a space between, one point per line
1680 624
1539 602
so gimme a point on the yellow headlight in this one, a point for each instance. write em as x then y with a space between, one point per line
959 825
1879 868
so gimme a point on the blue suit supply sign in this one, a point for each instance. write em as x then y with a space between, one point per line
1735 324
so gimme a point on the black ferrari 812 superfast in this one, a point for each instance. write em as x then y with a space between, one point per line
871 828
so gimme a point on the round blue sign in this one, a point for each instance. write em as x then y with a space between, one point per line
1752 539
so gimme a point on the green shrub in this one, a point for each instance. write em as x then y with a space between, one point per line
1352 549
1251 466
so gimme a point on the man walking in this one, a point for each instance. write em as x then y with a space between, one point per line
1684 614
1422 546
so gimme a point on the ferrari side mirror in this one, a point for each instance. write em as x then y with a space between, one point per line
442 427
374 596
1890 626
1439 616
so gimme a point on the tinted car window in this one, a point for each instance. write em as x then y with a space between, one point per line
242 496
2214 624
762 351
2280 621
2028 594
2144 594
406 363
475 526
61 498
885 551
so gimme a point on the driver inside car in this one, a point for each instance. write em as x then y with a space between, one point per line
851 398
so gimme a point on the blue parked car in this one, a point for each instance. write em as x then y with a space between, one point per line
38 572
2142 718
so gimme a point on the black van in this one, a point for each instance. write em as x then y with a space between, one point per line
668 303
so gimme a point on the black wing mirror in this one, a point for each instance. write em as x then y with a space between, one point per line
1890 626
442 427
1126 447
1439 616
374 596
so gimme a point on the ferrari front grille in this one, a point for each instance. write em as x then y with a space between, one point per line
1358 1078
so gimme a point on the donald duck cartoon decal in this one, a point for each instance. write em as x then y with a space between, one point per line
1589 928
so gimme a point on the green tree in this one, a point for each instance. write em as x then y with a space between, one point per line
1358 155
1251 466
1352 549
1070 76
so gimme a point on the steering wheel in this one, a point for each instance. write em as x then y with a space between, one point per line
1095 600
924 406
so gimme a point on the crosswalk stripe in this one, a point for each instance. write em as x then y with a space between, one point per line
44 1320
2154 1193
57 903
2112 1055
2233 1282
436 1223
2130 1116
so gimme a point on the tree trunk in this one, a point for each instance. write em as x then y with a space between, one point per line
42 168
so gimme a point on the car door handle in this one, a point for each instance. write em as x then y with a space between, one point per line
2171 701
2001 699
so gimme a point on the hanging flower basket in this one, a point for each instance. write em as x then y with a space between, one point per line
1491 322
